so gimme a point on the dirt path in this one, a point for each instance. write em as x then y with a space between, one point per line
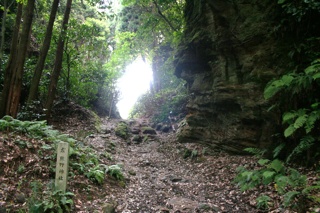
160 179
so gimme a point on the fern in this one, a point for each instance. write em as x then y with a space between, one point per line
312 118
277 85
300 119
305 144
289 197
255 151
278 149
277 166
263 162
115 171
314 68
287 117
289 131
297 85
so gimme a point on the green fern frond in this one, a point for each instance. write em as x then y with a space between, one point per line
289 131
316 76
278 149
277 166
312 118
288 117
272 107
289 197
313 69
263 162
305 144
255 151
300 121
273 88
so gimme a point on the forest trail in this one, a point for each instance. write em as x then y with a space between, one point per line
162 175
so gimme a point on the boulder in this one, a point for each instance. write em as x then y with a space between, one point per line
148 130
122 130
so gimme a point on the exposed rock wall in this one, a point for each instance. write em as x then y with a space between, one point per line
228 54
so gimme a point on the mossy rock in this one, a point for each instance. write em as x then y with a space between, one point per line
97 121
136 139
122 130
148 130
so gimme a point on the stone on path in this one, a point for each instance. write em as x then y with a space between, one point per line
182 204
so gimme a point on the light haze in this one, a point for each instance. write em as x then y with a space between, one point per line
135 81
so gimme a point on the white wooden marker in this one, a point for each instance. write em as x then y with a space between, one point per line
62 166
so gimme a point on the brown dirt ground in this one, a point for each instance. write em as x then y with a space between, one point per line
157 176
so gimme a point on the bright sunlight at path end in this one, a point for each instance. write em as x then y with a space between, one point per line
135 81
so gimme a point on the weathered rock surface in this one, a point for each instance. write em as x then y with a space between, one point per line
228 55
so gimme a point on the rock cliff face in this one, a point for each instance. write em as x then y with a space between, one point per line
228 54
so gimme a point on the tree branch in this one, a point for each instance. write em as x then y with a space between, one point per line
162 16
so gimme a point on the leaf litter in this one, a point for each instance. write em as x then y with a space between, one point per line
158 177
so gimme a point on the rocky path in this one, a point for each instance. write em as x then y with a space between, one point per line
165 176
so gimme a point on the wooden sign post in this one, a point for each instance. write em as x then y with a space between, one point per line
62 166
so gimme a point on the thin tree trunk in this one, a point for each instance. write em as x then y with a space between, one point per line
11 62
43 54
58 61
3 29
16 78
68 72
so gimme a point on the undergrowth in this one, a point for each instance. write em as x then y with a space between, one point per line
83 160
293 188
160 105
295 94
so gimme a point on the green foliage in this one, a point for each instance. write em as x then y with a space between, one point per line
159 105
299 9
188 153
288 182
57 201
97 173
151 30
116 172
21 169
84 78
276 151
306 143
32 111
82 158
122 130
31 128
300 123
301 118
51 201
263 202
293 83
255 151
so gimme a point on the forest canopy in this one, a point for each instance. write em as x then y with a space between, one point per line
76 51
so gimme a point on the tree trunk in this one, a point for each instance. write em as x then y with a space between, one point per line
3 29
43 54
11 62
17 73
6 8
68 83
58 61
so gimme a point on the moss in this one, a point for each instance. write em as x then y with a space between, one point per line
148 130
145 139
122 130
97 121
